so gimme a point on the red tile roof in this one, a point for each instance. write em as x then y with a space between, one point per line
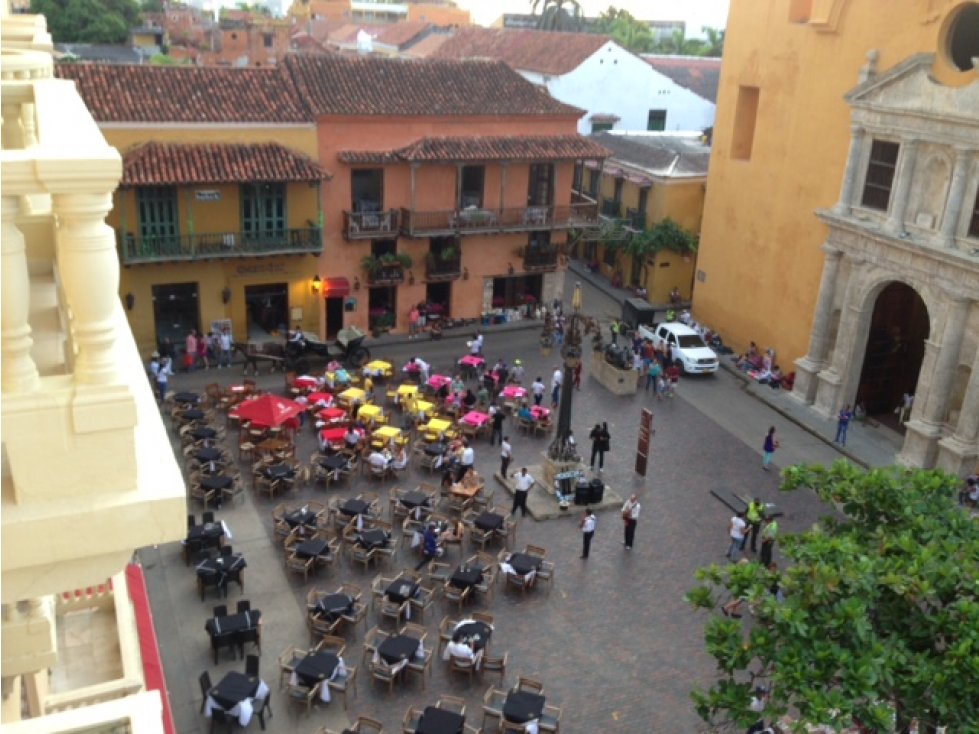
545 52
389 34
348 85
699 74
501 148
425 47
116 93
162 164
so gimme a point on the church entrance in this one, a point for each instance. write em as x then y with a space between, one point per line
895 348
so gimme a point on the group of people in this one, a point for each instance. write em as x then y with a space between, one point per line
200 349
751 523
630 519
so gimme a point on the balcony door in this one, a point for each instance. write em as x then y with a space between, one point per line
541 191
263 212
175 311
471 186
159 228
367 190
267 309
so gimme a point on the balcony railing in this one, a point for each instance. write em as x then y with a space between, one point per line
438 269
540 258
611 208
220 245
371 225
386 275
635 219
516 219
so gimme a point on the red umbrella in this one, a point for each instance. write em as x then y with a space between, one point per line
269 410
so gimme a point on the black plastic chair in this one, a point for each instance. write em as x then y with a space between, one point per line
191 520
220 717
226 551
252 663
244 606
207 517
228 640
253 636
221 610
260 707
205 682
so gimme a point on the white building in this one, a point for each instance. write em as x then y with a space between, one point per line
617 89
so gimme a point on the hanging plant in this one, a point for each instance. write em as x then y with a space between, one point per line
665 235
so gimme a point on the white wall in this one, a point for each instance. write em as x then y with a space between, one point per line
614 81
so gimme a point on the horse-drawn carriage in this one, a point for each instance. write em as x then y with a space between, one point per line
296 355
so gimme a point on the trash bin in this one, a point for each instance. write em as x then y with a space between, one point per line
596 491
582 492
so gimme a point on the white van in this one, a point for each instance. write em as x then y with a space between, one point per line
685 345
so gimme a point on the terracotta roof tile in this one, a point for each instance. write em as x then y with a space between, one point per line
495 148
185 94
389 34
348 85
161 164
674 155
699 74
426 46
545 52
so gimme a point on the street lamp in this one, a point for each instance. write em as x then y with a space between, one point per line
560 449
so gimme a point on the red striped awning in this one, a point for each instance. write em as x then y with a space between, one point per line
336 287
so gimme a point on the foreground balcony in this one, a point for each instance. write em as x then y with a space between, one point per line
439 268
475 220
371 225
220 245
540 258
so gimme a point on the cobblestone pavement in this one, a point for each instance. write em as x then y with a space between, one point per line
613 641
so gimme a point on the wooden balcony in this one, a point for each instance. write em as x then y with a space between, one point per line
540 258
437 269
612 208
220 245
386 275
453 222
371 225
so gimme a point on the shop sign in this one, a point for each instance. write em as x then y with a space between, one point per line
207 195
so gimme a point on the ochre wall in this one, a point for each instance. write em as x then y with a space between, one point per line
300 138
760 246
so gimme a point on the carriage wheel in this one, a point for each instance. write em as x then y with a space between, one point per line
358 357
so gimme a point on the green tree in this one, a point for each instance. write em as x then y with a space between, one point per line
88 21
678 43
880 619
625 30
714 46
664 235
558 15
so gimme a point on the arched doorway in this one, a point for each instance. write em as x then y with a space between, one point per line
895 348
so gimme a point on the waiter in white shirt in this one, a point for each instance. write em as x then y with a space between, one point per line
466 460
630 516
556 380
587 532
462 650
506 453
521 490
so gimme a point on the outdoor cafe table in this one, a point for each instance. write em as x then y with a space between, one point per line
460 490
472 361
372 538
221 567
476 419
523 563
207 531
333 415
334 606
193 414
398 648
354 506
273 444
466 576
277 471
422 406
216 482
439 721
523 706
231 624
352 395
471 630
333 436
388 433
208 454
368 413
513 392
301 516
202 433
312 548
437 382
438 426
378 368
414 498
401 590
305 382
185 398
539 412
334 463
317 667
234 694
435 449
489 521
407 391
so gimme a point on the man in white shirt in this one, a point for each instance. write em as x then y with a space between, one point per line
506 453
736 531
556 380
462 650
224 343
630 516
521 490
587 532
538 389
351 438
466 459
378 461
423 368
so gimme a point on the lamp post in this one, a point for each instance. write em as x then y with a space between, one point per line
560 449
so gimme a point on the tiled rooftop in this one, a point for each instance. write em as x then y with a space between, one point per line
158 164
660 154
699 74
502 149
545 52
342 85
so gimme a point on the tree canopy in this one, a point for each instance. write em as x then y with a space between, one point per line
625 30
664 235
880 619
88 21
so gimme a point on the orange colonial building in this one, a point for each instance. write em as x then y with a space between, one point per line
451 185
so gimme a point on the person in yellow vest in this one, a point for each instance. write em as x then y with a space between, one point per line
754 514
769 533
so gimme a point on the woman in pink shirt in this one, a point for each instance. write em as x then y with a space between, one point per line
190 352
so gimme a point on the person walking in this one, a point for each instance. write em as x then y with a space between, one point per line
768 448
576 381
769 534
506 454
224 342
630 516
600 443
754 514
842 424
497 433
413 316
162 373
735 530
520 491
614 331
588 523
556 379
537 388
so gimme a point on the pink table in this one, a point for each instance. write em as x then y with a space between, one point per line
539 413
315 397
334 436
437 382
475 418
514 392
471 360
331 415
305 382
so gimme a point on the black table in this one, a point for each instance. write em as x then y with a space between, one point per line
334 606
186 397
435 449
353 507
278 471
478 633
208 454
203 433
439 721
234 688
192 415
221 566
523 563
216 481
488 521
397 648
414 499
465 576
522 706
316 667
311 549
372 538
302 516
336 462
232 623
401 590
207 531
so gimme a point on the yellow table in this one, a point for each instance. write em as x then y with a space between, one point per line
352 394
407 391
368 412
438 425
388 433
422 406
378 367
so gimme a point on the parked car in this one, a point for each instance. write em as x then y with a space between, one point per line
686 345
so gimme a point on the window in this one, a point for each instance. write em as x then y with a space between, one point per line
383 247
600 127
579 176
540 192
880 175
157 211
974 222
617 196
267 40
263 210
471 186
962 37
656 120
594 179
367 189
745 114
643 202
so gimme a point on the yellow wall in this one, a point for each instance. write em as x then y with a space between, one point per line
760 247
300 138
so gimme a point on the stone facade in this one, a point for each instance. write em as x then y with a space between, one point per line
913 225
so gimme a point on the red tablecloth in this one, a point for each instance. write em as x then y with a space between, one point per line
437 382
471 360
475 418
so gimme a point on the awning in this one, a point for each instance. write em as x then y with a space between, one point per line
336 287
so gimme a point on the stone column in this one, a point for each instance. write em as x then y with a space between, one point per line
89 270
959 453
904 175
19 373
925 426
831 379
808 367
850 173
956 195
